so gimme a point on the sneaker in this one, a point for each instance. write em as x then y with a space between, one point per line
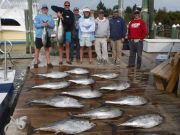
138 67
49 65
104 62
60 63
99 61
130 66
114 62
68 62
35 65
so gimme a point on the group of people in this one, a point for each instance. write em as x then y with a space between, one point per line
83 31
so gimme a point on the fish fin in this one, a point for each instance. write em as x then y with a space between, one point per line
56 133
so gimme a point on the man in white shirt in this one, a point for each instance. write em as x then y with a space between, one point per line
101 36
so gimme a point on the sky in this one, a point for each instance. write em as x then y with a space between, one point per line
171 5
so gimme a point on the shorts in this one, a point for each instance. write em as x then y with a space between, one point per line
85 41
67 38
39 44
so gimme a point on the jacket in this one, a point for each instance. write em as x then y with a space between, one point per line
39 19
86 26
117 28
137 29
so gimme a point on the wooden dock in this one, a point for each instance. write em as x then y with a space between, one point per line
168 105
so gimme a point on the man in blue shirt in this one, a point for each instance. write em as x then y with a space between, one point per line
117 35
41 21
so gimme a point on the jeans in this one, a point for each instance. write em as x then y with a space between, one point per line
135 51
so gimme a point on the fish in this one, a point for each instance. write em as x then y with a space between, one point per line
54 75
84 81
44 36
84 93
53 85
129 100
106 75
60 32
118 87
101 113
58 101
144 121
78 71
68 126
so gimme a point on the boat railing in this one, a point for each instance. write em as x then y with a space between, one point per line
6 51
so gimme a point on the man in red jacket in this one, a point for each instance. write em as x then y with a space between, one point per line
137 31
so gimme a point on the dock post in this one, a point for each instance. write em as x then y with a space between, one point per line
145 14
151 18
120 5
174 32
5 61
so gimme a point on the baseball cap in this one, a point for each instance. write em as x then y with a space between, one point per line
76 9
44 6
101 11
115 10
86 9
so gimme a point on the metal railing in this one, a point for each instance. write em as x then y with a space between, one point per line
5 52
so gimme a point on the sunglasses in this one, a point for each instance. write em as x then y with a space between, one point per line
67 5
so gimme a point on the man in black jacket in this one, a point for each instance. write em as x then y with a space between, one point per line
67 17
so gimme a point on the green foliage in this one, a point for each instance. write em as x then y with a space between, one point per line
167 18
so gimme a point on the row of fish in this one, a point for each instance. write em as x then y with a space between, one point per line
78 71
76 124
69 102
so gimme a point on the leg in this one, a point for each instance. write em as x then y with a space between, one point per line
132 56
104 49
139 53
47 55
67 52
113 43
61 53
119 50
81 53
36 58
71 51
90 54
98 48
77 50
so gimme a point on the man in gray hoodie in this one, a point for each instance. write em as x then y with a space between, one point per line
102 33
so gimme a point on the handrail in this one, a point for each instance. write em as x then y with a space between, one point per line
5 57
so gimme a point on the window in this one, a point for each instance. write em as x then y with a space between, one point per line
9 22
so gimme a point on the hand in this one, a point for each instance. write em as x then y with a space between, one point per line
122 39
45 24
59 14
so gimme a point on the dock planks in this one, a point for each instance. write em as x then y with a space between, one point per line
141 84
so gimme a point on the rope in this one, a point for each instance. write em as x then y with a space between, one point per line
19 123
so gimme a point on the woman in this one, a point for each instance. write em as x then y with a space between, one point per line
86 33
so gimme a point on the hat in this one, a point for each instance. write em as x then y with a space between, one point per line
66 2
44 6
86 9
137 10
115 10
76 9
57 9
101 11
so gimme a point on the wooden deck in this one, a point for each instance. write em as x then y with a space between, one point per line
141 84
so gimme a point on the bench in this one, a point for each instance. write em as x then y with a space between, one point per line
167 73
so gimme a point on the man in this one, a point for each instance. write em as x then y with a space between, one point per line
137 31
41 21
67 17
86 33
117 35
101 36
75 42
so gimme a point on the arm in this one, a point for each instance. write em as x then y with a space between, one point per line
124 29
38 23
51 23
144 29
129 32
108 30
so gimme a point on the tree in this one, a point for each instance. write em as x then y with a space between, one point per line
101 6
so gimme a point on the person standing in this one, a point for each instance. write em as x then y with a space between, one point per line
117 35
67 18
86 33
41 21
102 33
75 39
137 31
